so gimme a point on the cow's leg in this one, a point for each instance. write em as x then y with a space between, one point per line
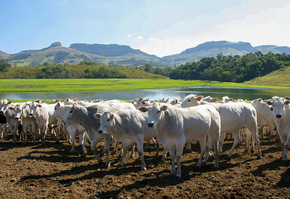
157 150
208 147
188 147
283 141
132 155
271 131
94 150
247 138
121 151
116 142
237 139
179 151
202 143
124 149
261 131
140 140
107 149
164 155
33 131
58 132
286 147
25 134
215 137
221 142
72 132
43 133
82 140
255 136
172 157
14 130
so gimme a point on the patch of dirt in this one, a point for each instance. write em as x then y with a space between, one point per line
50 171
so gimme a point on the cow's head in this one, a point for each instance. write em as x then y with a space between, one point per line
155 113
191 100
71 116
106 121
19 110
278 104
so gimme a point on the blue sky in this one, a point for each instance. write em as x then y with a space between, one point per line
159 27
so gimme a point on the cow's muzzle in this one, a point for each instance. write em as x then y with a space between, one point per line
150 125
278 116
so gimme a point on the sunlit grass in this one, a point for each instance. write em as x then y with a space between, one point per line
94 85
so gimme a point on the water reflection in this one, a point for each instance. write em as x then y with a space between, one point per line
157 94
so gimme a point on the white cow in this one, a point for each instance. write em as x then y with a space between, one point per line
175 126
14 124
85 116
3 120
43 115
281 109
234 116
128 127
22 111
265 116
61 113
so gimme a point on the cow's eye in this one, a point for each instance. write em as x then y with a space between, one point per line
108 120
188 100
158 111
71 112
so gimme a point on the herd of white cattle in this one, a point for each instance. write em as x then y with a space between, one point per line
171 123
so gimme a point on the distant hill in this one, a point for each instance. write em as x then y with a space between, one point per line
3 54
114 50
114 54
211 49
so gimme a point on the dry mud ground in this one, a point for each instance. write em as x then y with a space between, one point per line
49 171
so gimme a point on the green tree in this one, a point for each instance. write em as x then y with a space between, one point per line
148 68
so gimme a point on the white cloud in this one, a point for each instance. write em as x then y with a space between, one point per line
129 36
139 38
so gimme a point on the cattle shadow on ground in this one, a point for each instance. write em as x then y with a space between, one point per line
275 165
285 179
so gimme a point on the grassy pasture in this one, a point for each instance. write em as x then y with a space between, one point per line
94 85
276 78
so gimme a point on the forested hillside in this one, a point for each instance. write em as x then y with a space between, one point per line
231 68
83 70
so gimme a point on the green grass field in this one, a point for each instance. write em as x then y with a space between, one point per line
91 85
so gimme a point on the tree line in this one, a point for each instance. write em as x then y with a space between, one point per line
222 68
85 69
231 68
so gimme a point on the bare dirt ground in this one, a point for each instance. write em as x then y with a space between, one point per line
49 171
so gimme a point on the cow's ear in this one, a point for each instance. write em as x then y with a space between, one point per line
287 98
215 99
97 115
260 99
58 104
199 98
11 108
269 102
143 109
286 102
231 99
76 106
112 116
163 108
9 102
39 105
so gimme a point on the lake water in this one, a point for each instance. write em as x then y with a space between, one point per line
157 94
